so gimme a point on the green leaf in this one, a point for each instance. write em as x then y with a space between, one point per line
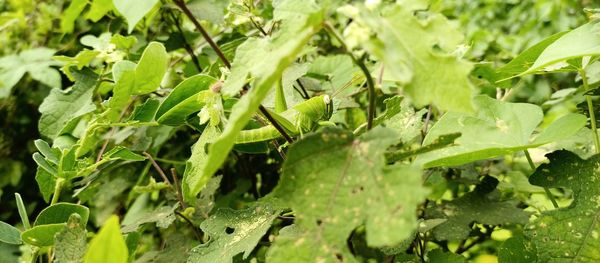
439 256
46 182
70 243
526 59
481 205
184 100
146 111
134 10
572 233
9 234
266 69
60 213
416 53
495 129
151 68
400 116
517 250
163 216
62 107
580 42
42 236
37 62
71 14
108 245
122 153
334 183
233 232
98 9
194 179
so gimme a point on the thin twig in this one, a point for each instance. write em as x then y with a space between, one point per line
178 188
426 124
546 189
158 169
188 48
194 228
360 63
226 62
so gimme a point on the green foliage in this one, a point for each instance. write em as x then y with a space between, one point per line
238 131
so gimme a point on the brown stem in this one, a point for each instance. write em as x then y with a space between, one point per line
158 169
188 48
178 188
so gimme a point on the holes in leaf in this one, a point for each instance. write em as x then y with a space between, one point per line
358 189
229 230
339 257
319 222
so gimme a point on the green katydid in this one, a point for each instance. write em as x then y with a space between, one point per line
297 120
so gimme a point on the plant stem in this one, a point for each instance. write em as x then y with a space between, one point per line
158 169
590 105
188 48
57 188
548 193
225 61
360 63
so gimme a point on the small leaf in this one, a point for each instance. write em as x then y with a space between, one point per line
233 232
46 182
151 68
9 234
439 256
122 153
62 107
60 212
163 217
42 236
183 100
98 9
70 243
108 245
71 14
134 10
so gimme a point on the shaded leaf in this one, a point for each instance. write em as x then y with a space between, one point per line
194 178
233 232
439 256
9 234
134 10
517 250
43 235
60 213
184 100
570 233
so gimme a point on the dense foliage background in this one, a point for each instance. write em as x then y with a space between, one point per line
120 125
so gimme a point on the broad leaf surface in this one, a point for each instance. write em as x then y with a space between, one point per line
417 53
497 128
233 232
334 183
569 234
194 179
60 213
37 62
42 236
517 250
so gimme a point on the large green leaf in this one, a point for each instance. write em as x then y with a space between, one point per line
265 68
517 250
184 100
580 42
62 107
416 52
108 245
497 128
42 236
568 234
334 183
71 241
134 10
233 232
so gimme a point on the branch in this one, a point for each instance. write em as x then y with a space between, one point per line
186 45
